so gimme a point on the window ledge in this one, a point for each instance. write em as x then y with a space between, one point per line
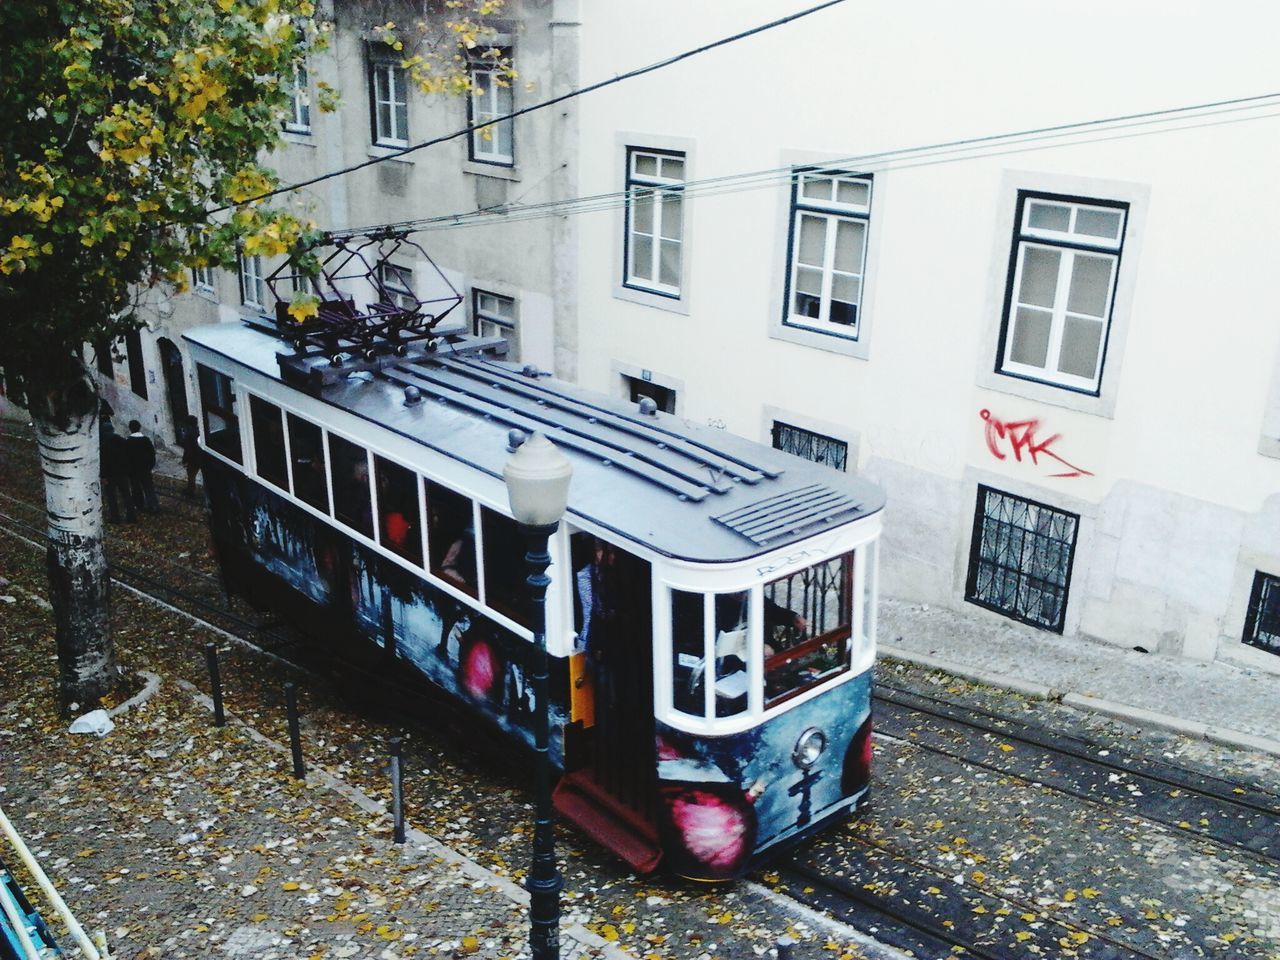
1099 406
647 298
859 349
496 170
389 153
298 138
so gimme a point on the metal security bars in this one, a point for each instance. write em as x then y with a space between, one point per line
810 445
1020 561
1262 624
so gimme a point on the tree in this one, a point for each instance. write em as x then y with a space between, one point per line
123 123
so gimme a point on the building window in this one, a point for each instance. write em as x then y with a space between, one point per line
492 96
137 367
810 445
395 285
654 221
388 101
827 251
1262 625
202 279
102 356
1062 281
299 118
253 287
1020 560
493 315
664 397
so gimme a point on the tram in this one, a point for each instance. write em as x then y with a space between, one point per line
712 612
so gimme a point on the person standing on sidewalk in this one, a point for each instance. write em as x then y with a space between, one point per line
189 441
141 461
113 456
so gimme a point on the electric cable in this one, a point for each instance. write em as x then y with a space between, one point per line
1120 127
543 104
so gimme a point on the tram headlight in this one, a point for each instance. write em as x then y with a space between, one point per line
809 748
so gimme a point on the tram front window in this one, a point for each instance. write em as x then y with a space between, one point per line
808 621
351 502
721 659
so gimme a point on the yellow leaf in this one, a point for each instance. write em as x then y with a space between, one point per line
933 890
1022 936
290 885
1088 893
1029 917
609 932
1069 896
1006 748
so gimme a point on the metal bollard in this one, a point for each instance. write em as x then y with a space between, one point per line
215 682
295 735
397 787
784 948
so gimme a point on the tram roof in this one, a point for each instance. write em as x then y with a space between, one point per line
679 488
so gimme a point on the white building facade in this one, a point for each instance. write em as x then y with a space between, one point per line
1056 349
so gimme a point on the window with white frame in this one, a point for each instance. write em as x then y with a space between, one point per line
1062 281
396 283
492 96
202 279
388 100
299 118
253 286
827 251
654 220
493 315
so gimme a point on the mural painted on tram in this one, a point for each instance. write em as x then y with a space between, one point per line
351 589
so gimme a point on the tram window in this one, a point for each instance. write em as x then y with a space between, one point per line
451 536
268 442
688 652
504 572
733 629
399 521
218 403
310 477
351 503
807 626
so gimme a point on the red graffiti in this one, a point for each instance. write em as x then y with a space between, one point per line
1020 437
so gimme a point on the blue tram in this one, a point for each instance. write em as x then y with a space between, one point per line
712 614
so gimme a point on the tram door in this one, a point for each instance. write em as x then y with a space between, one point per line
613 611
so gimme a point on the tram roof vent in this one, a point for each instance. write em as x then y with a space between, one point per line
788 513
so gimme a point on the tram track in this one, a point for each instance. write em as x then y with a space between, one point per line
915 907
1244 820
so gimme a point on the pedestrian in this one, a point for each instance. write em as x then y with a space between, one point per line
189 441
112 469
141 461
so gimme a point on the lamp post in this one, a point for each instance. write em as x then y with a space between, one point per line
537 476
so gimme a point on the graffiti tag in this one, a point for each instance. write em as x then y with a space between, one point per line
1019 437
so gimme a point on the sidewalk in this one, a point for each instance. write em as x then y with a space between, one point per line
1217 701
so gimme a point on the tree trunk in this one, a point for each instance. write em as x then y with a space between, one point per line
65 416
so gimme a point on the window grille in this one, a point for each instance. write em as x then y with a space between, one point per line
1020 561
810 445
1262 624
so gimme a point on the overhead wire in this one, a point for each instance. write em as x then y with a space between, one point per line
541 105
959 150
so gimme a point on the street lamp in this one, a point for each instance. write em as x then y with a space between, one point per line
537 476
